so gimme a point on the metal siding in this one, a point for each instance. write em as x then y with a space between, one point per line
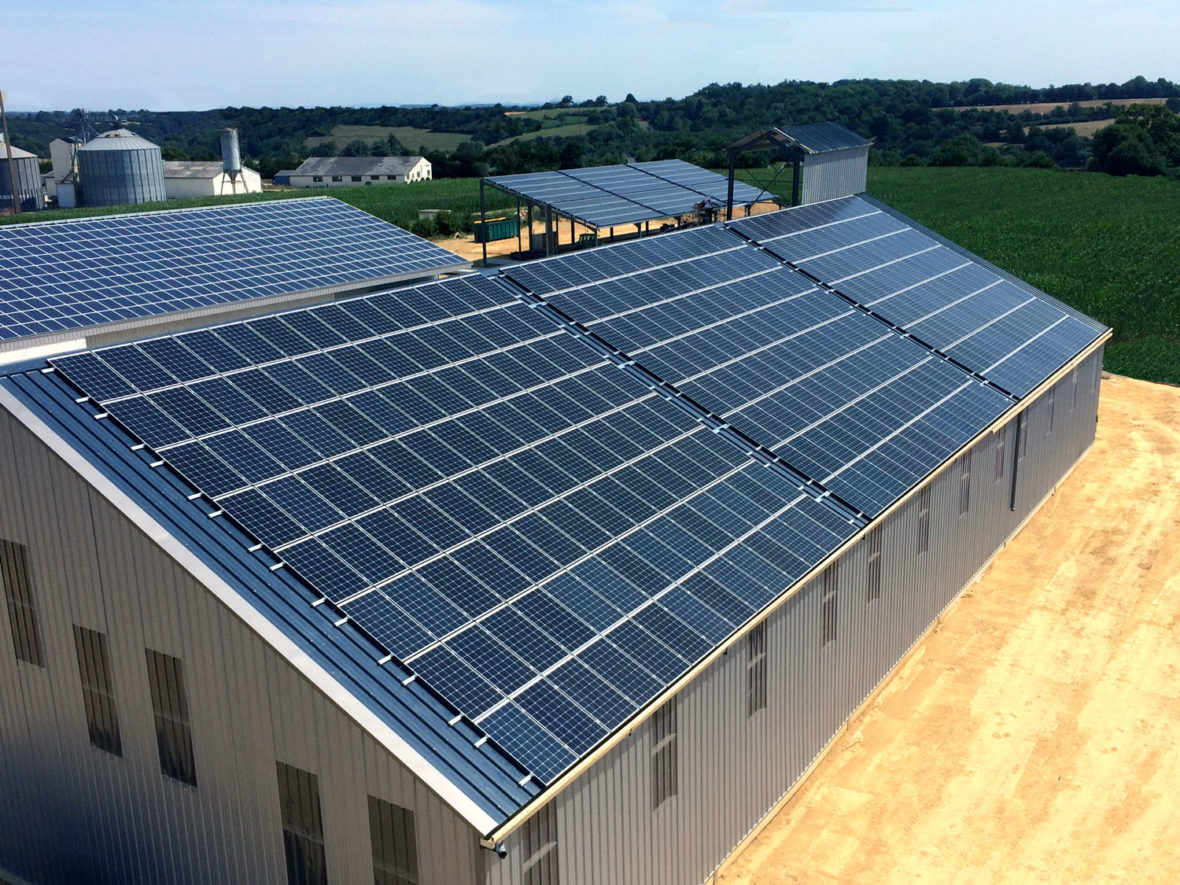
128 821
828 176
733 770
120 177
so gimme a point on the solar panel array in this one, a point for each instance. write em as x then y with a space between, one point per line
59 276
542 538
1002 330
525 522
838 395
606 196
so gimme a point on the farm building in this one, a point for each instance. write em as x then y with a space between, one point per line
119 168
201 178
21 176
827 160
91 281
563 574
283 177
605 197
357 171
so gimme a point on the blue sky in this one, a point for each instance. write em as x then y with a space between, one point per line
185 55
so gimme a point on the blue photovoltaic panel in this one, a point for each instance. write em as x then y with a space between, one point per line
1007 332
837 394
703 181
628 259
58 276
540 537
605 196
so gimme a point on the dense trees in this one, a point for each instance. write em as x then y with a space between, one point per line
910 122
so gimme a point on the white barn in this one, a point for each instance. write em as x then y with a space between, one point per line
201 178
357 171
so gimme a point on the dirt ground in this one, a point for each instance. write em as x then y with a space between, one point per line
1034 736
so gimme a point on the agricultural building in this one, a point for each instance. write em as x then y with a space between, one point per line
827 160
564 574
20 176
283 177
357 171
68 284
120 168
207 178
606 197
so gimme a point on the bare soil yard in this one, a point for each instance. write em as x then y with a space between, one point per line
1034 735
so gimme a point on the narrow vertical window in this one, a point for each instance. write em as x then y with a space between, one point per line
874 591
540 848
303 828
665 764
924 520
98 690
1052 410
756 669
1096 374
964 483
1021 436
18 594
1073 378
174 737
828 610
1001 452
395 846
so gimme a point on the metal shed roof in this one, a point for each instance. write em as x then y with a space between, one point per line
357 165
816 138
606 196
119 140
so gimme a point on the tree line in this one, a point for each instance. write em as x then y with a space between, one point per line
911 122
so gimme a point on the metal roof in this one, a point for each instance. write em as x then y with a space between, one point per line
817 138
68 277
119 140
357 165
201 169
606 196
17 153
635 585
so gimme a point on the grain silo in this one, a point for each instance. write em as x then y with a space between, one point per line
120 167
20 175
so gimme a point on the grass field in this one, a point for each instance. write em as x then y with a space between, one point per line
1046 107
1106 245
411 137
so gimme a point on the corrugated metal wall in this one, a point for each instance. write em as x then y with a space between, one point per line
121 177
827 176
70 812
734 768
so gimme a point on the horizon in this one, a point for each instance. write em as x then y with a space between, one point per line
454 53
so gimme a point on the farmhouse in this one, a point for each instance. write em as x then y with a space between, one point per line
355 171
561 574
197 178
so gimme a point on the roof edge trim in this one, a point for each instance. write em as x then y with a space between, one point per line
323 680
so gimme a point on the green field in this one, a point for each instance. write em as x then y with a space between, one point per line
1106 245
411 137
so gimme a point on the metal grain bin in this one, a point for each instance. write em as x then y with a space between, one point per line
118 168
25 172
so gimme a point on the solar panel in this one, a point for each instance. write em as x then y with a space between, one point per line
538 535
838 395
58 276
1004 330
606 196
